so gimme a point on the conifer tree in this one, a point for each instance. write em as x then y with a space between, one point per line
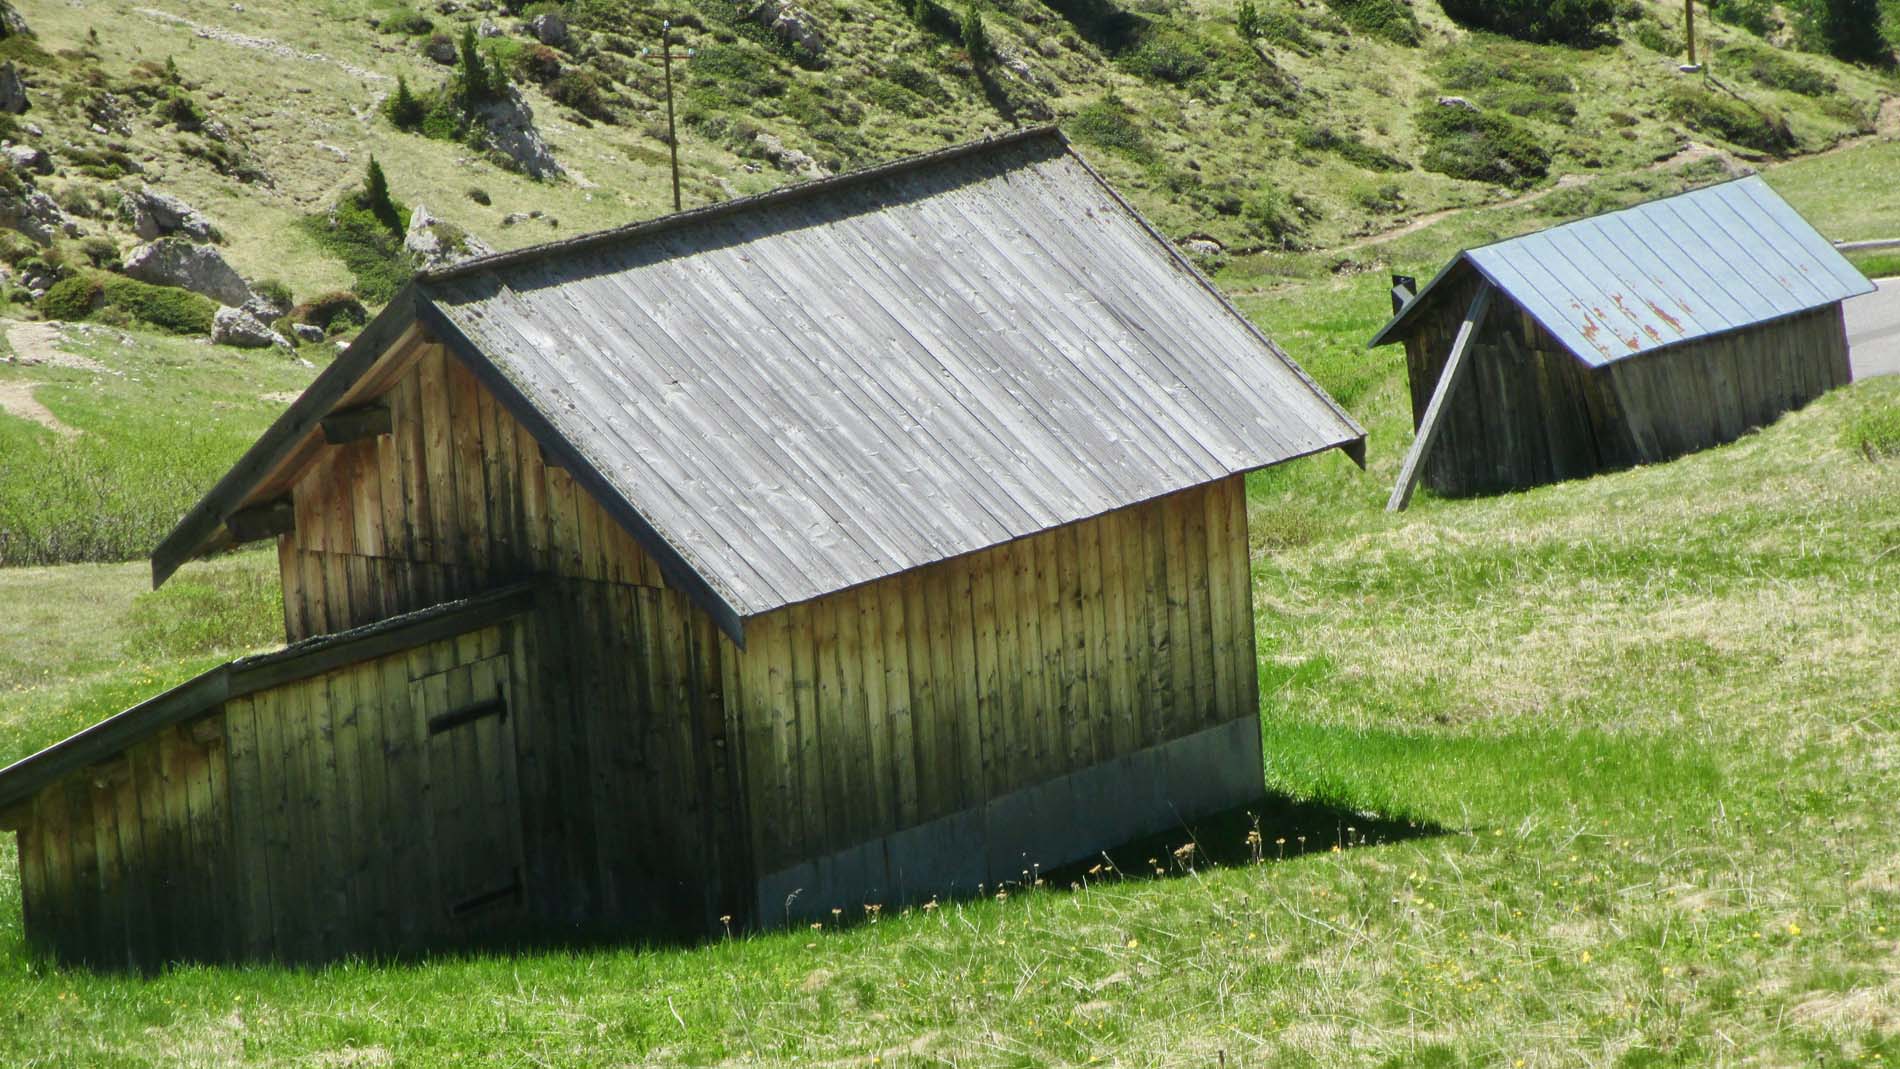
976 39
377 200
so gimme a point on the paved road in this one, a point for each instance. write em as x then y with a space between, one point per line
1873 331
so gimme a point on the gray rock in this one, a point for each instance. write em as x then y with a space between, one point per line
549 29
437 242
307 333
1202 246
154 215
12 89
239 328
487 28
509 124
34 214
789 159
265 309
440 49
198 268
12 23
1457 102
28 158
790 24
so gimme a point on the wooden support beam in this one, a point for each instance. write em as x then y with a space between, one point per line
354 424
14 817
1447 382
262 521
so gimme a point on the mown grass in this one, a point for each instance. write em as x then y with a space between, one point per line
1649 720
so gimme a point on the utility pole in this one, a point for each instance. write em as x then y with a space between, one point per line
1688 31
672 133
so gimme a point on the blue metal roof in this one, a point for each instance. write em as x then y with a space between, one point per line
1674 270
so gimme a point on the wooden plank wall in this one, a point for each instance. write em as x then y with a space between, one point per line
1531 414
128 864
901 701
457 499
284 825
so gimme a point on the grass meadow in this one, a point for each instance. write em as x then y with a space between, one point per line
1601 774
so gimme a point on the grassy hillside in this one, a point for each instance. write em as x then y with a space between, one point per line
1319 131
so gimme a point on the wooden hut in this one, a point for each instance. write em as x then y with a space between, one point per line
1623 339
849 544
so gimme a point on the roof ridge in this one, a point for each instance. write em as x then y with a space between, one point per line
721 209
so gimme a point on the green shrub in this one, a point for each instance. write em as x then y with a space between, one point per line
403 108
1348 147
479 196
1274 215
538 63
1481 146
580 90
408 22
1657 38
334 312
273 291
1571 22
100 251
1875 434
1167 53
70 299
165 307
1247 20
1772 69
1391 20
1755 16
371 249
1853 30
182 111
976 39
1732 120
1110 123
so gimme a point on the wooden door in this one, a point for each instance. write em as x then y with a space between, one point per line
471 795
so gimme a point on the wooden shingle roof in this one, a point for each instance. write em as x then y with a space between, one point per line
809 390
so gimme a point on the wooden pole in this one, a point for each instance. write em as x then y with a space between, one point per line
1447 382
672 134
1688 16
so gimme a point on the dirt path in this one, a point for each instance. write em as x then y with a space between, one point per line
38 343
16 399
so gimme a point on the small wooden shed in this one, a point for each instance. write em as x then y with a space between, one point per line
1622 339
855 543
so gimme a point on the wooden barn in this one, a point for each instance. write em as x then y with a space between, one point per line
1623 339
855 543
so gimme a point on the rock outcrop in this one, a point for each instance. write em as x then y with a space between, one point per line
789 159
12 90
153 215
793 25
198 268
36 215
437 242
550 29
239 328
509 124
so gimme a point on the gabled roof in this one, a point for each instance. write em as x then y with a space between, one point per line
800 392
1674 270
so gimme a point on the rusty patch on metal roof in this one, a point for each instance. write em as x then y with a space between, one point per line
1674 323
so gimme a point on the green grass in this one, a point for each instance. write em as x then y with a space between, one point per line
112 490
1876 264
1647 723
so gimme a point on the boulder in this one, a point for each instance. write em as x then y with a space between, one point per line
36 215
437 242
789 159
307 333
487 28
25 158
509 124
239 328
265 309
154 215
549 29
441 49
792 25
12 23
198 268
1457 102
12 89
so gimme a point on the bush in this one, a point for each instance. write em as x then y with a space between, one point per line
1388 19
165 307
976 39
539 64
407 22
479 196
1772 69
70 299
1274 215
1853 30
1755 16
1480 146
100 251
1167 54
1348 147
334 312
1247 20
1732 120
273 291
370 248
580 90
182 111
1110 123
1571 22
403 108
1657 38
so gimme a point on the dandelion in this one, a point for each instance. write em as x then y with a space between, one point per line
1133 943
1793 928
1584 957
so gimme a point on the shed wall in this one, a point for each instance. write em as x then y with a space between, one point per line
962 699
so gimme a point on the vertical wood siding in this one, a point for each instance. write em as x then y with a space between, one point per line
909 699
1529 413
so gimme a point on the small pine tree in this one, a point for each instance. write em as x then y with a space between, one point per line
976 39
405 111
473 70
377 200
171 70
1247 20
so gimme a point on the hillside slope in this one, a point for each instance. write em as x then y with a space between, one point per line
263 113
